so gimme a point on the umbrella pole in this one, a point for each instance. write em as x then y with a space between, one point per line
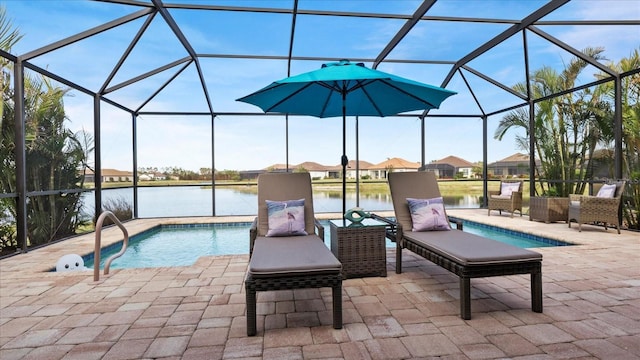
344 159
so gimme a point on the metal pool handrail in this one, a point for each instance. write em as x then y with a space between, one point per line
96 252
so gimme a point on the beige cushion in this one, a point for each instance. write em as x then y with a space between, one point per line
291 255
507 188
470 249
607 191
503 197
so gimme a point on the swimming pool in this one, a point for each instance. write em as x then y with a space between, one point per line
182 245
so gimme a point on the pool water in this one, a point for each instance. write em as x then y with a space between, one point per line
182 245
512 237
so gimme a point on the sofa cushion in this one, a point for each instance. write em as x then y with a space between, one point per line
286 218
428 214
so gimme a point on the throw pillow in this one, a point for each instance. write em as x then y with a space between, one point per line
607 191
507 188
428 214
286 218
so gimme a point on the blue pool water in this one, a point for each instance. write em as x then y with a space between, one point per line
182 245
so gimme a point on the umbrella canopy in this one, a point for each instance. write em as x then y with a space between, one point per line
344 88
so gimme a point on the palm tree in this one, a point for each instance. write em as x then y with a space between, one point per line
54 154
565 127
630 132
8 37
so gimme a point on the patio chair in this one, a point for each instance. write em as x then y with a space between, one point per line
290 254
464 254
600 208
509 198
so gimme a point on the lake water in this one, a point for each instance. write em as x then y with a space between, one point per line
176 201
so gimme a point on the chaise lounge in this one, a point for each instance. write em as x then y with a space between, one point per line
285 250
464 254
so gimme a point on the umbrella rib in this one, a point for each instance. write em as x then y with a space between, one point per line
333 87
373 103
409 94
286 97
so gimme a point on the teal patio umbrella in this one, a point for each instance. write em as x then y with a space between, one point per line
346 89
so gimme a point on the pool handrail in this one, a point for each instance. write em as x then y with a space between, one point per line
96 253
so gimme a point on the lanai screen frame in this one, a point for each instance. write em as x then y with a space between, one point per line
157 7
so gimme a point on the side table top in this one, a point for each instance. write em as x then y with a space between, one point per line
367 222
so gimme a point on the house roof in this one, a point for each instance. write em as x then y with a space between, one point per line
454 161
310 166
363 165
397 163
275 167
515 158
110 172
307 165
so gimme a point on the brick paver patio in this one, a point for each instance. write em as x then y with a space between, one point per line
591 307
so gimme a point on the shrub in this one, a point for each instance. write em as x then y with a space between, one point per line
119 207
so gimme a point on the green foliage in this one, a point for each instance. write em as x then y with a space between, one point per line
232 175
569 128
631 202
55 158
119 207
8 238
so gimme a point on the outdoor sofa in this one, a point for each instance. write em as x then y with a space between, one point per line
465 255
290 259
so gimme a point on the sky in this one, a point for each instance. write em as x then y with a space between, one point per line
251 142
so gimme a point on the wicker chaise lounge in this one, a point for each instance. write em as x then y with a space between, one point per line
464 254
280 262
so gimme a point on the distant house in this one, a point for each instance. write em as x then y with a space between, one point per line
364 167
450 166
380 171
315 170
109 175
516 165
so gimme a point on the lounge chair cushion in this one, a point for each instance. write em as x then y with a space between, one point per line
286 218
470 249
607 191
284 255
428 214
507 188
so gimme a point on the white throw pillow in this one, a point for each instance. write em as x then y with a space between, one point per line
607 191
507 188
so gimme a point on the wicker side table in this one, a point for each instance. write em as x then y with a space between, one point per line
548 209
360 248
